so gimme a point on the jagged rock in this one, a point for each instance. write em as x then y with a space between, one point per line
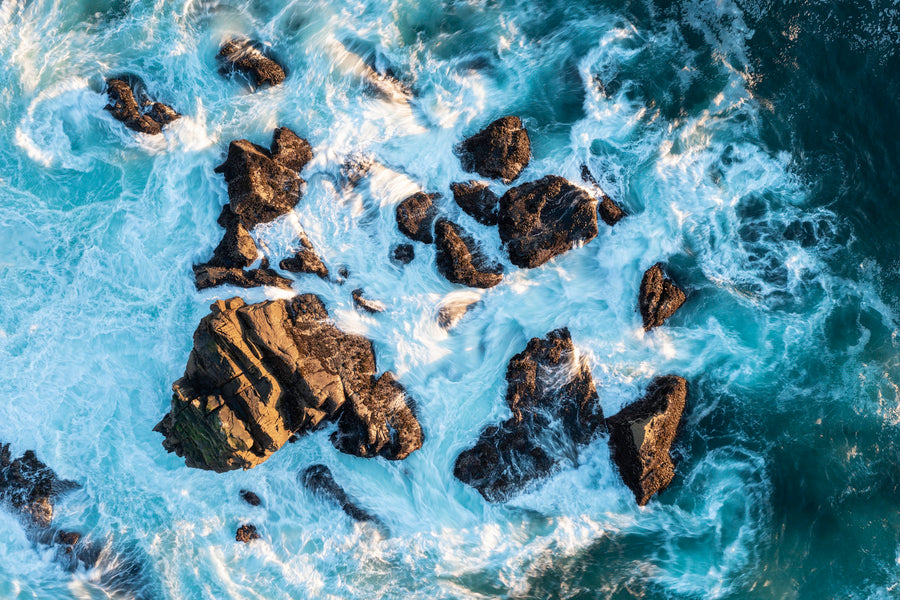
29 486
455 308
659 297
477 200
500 151
609 210
250 498
262 372
382 423
545 218
147 117
641 436
403 254
370 306
259 188
290 150
237 249
460 260
551 394
319 480
207 276
415 216
246 56
305 260
246 534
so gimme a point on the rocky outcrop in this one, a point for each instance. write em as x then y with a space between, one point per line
551 394
305 260
246 534
319 480
208 276
499 151
403 254
659 297
477 200
382 423
29 486
370 306
641 436
290 150
460 260
247 57
609 210
237 249
250 498
415 216
260 373
545 218
145 116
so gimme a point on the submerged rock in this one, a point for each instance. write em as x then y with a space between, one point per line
609 210
659 297
500 151
551 394
370 306
319 480
246 534
477 200
641 436
208 276
305 260
415 216
145 117
250 498
460 260
260 373
247 57
457 305
29 486
403 254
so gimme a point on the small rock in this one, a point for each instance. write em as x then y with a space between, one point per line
250 498
370 306
208 276
460 260
319 480
502 150
457 305
415 216
641 436
609 210
246 534
477 200
403 254
124 106
659 297
68 540
305 260
246 56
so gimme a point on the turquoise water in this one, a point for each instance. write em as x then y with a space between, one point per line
754 145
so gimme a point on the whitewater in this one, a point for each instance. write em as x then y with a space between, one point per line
786 484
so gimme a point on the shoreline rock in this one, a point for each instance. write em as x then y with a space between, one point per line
659 297
460 260
209 276
145 117
501 150
403 254
247 57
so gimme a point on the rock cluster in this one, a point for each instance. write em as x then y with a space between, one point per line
260 373
145 116
247 57
659 297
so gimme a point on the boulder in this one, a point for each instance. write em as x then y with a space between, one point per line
246 534
382 423
247 57
290 150
305 260
403 254
259 374
499 151
553 401
144 117
659 297
542 219
477 200
29 486
641 436
415 216
370 306
460 260
208 276
609 210
250 498
319 480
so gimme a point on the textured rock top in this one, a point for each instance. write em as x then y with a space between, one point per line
501 150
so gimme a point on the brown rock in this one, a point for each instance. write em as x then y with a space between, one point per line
415 216
609 210
500 151
208 276
455 308
237 249
124 106
305 260
477 200
460 260
250 498
659 297
641 437
290 150
246 534
247 57
29 486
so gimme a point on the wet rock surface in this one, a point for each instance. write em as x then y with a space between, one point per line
305 260
137 113
552 396
542 219
609 210
250 498
659 297
319 480
460 260
237 248
246 534
477 200
403 254
260 373
290 150
208 276
247 57
370 306
415 217
29 486
501 150
641 437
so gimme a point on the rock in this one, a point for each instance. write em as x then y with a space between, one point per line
208 276
415 216
259 374
259 188
551 394
477 200
250 498
343 274
319 480
460 260
501 150
290 150
305 260
370 306
237 249
609 210
382 423
247 57
123 105
403 254
354 168
67 540
659 297
246 534
457 305
545 218
641 436
29 486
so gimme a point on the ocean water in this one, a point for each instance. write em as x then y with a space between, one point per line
754 145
